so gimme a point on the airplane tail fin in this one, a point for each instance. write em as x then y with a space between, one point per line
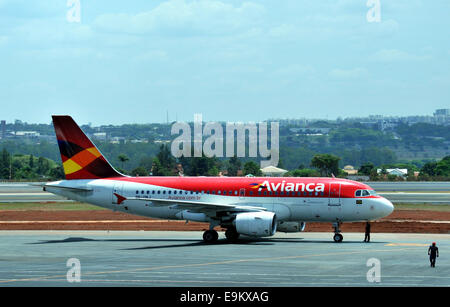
81 159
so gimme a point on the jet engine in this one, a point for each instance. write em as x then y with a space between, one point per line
256 224
291 226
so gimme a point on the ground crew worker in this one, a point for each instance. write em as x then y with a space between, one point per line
433 251
367 236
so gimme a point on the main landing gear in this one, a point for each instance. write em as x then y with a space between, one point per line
337 235
231 234
211 236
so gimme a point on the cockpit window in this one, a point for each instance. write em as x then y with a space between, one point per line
363 193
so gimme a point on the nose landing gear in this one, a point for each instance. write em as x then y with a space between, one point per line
337 235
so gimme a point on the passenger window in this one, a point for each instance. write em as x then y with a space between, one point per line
219 192
159 192
251 193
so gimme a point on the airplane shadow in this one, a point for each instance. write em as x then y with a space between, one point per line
195 242
77 239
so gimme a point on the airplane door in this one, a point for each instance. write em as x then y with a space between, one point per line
117 189
241 194
334 201
334 195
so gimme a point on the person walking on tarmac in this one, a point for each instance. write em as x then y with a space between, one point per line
433 251
367 235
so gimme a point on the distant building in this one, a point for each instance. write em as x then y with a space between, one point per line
117 140
99 136
442 112
272 171
442 116
311 131
387 125
3 129
401 172
29 134
350 170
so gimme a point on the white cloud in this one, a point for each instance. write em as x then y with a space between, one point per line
395 55
52 31
296 70
348 73
152 55
59 53
3 40
179 17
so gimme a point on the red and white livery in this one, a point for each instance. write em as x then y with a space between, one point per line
252 206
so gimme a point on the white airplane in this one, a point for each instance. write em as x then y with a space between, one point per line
252 206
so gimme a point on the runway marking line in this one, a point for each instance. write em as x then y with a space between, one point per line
204 264
406 244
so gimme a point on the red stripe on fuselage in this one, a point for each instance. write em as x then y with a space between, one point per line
293 185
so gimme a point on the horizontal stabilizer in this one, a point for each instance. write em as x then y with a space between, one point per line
73 189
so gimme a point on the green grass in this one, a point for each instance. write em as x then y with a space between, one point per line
429 207
57 206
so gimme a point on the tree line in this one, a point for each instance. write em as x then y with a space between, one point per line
29 167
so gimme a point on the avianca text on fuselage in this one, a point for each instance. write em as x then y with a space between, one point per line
289 186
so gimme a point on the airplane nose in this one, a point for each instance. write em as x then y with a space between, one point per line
386 207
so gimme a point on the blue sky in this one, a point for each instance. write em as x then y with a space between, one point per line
131 61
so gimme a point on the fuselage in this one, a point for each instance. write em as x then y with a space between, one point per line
304 199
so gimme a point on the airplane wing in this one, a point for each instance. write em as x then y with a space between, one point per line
196 206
